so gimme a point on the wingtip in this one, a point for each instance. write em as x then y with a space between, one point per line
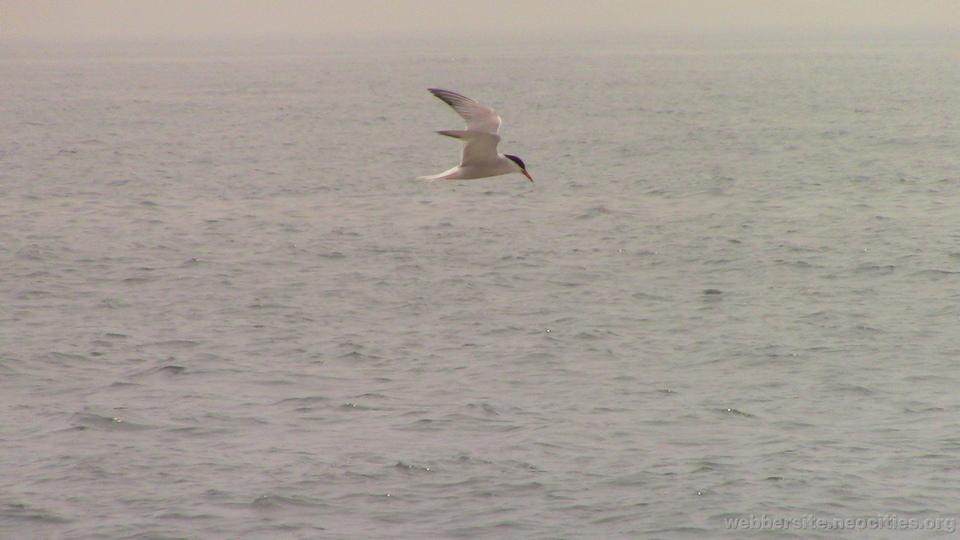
447 95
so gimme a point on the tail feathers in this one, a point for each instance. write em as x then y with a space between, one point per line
457 133
445 175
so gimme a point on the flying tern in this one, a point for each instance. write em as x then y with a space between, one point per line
480 158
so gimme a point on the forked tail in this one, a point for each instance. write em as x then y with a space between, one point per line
445 175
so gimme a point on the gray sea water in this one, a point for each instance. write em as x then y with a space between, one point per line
730 301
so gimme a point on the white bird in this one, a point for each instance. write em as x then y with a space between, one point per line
480 158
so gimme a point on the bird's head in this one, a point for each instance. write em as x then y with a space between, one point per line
519 162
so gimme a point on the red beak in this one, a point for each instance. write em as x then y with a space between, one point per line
525 173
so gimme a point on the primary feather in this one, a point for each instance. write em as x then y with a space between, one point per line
478 116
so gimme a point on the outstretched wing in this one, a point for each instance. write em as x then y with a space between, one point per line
478 116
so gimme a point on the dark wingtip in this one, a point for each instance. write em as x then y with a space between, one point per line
445 96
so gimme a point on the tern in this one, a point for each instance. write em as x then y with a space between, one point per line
480 158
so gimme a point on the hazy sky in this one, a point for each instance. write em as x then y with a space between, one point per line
178 18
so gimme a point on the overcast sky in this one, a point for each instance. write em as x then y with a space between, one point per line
180 18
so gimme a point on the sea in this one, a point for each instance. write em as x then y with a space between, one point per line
728 306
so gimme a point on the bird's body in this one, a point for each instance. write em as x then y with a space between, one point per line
480 158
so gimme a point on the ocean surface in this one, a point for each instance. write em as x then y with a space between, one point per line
730 301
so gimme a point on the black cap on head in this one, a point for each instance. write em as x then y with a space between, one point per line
516 160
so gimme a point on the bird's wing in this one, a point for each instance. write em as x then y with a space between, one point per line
478 146
478 116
